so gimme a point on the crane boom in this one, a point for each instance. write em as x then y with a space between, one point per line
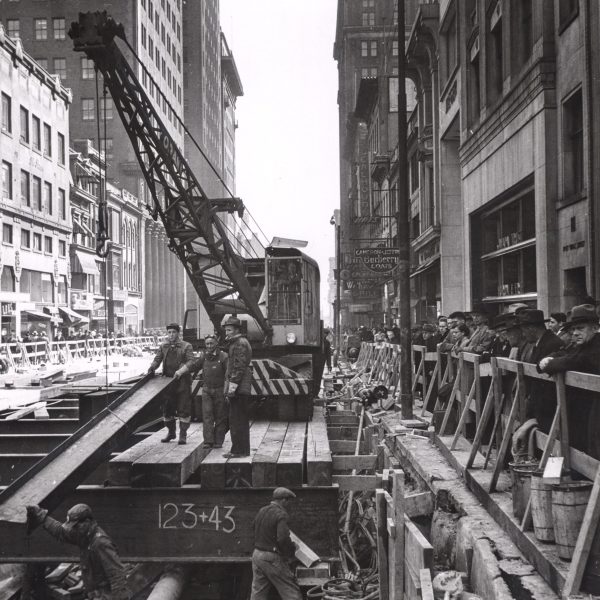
191 220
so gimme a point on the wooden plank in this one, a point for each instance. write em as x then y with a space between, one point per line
382 545
23 412
359 462
238 471
418 555
24 426
212 467
580 461
346 447
41 413
303 553
419 504
357 483
290 464
345 432
120 468
180 524
57 474
167 465
584 541
426 585
318 454
561 399
264 461
396 544
335 420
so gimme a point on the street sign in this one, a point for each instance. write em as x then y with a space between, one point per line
379 260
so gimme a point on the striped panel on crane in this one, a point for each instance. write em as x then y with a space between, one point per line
269 378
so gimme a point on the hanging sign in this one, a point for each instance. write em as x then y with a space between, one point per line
379 260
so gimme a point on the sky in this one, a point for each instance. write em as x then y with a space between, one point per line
287 155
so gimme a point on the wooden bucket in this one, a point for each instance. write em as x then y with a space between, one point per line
569 501
521 485
541 508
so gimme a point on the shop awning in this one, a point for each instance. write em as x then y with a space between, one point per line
72 316
86 263
425 265
36 315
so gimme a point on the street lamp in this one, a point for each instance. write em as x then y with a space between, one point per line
337 308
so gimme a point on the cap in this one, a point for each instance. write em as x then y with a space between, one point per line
429 328
584 313
281 493
174 326
79 512
233 322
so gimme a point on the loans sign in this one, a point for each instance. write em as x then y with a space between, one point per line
379 260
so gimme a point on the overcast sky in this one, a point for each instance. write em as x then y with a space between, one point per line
287 140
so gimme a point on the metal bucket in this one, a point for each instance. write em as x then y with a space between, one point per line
521 485
569 501
541 508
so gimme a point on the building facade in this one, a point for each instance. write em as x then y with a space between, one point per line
34 202
502 154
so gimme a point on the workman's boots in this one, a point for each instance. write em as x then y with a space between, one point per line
170 425
183 427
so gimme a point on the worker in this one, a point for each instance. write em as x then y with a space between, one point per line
177 358
238 380
104 575
213 363
273 548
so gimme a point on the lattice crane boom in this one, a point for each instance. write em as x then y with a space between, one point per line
196 233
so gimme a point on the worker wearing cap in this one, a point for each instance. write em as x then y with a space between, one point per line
238 380
177 358
103 573
272 547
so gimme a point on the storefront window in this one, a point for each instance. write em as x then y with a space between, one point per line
7 283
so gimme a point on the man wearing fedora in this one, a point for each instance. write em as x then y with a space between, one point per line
177 358
583 356
238 381
481 338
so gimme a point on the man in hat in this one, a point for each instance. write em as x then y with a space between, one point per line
583 356
104 575
273 547
238 381
177 358
482 337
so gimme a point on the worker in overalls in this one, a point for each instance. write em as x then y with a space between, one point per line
103 573
273 548
177 358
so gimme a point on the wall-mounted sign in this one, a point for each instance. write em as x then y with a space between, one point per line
379 260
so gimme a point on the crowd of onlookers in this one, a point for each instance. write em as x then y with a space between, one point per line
33 335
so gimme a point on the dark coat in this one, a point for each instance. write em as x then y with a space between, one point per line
583 406
238 365
172 357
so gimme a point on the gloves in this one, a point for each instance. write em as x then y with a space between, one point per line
181 371
151 371
231 388
36 515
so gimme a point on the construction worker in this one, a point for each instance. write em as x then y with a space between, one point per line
273 548
213 363
177 358
238 380
104 575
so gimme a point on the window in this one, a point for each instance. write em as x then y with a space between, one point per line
144 4
36 192
106 108
24 118
36 133
6 113
157 56
373 47
25 188
144 36
368 19
60 67
473 85
59 28
62 248
6 180
37 242
40 27
107 148
88 109
47 244
25 238
567 11
521 12
150 47
450 50
62 204
395 48
47 140
368 72
43 62
13 28
48 197
573 176
61 148
151 12
7 234
162 33
364 49
87 68
494 72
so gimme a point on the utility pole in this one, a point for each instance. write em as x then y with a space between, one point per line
403 226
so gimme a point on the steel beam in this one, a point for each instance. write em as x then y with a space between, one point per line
187 524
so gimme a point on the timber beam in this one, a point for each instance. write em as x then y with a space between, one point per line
186 524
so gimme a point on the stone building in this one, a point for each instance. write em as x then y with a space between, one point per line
34 196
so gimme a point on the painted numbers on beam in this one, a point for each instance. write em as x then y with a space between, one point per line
191 516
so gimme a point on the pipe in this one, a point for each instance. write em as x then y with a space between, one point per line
172 583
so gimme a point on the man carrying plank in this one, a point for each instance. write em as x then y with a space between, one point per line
272 548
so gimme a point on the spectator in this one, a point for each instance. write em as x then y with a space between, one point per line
391 336
430 337
456 318
461 336
443 329
327 341
557 321
366 335
481 338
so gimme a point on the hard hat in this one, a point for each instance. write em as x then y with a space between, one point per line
79 512
281 493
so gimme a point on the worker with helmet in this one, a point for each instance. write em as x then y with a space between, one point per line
177 358
103 573
273 548
238 381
